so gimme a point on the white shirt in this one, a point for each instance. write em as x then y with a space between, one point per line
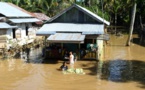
71 59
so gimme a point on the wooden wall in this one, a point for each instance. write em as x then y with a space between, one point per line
75 16
3 36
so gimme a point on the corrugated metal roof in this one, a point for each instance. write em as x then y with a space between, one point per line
5 26
41 16
24 20
86 11
44 33
10 10
71 27
66 37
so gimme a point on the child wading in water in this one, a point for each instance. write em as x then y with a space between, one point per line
64 67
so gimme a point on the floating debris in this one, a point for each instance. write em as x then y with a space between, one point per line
74 71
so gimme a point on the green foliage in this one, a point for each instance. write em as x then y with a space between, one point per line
121 8
99 12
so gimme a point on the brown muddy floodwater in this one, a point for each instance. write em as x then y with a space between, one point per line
123 68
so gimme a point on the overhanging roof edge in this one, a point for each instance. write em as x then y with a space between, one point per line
53 28
66 37
24 20
96 17
4 25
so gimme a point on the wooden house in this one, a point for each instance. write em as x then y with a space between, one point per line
76 29
18 24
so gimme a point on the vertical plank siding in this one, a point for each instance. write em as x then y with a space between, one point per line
75 16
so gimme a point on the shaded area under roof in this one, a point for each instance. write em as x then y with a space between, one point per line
66 38
10 10
6 26
53 28
24 20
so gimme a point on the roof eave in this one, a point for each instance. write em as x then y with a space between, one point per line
101 20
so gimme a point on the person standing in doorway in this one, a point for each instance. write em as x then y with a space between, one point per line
71 59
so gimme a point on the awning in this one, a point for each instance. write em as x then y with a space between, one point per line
6 26
44 33
24 20
86 29
66 38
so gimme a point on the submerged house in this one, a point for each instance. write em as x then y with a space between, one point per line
16 25
74 29
4 30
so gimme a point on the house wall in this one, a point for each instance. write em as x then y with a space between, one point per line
20 33
32 32
3 34
9 33
3 31
3 37
75 16
23 30
22 27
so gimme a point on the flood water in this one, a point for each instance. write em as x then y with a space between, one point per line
123 68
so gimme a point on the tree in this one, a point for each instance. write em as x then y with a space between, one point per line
118 9
140 10
132 24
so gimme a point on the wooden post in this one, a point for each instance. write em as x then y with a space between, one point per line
45 46
79 52
61 45
96 51
131 25
93 41
62 50
104 49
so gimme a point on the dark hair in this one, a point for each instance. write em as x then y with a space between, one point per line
64 62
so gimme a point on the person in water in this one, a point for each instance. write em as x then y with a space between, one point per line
64 66
71 60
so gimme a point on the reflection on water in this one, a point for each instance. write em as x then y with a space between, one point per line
122 69
118 70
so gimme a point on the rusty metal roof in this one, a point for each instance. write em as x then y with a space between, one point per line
40 16
66 38
4 25
11 10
